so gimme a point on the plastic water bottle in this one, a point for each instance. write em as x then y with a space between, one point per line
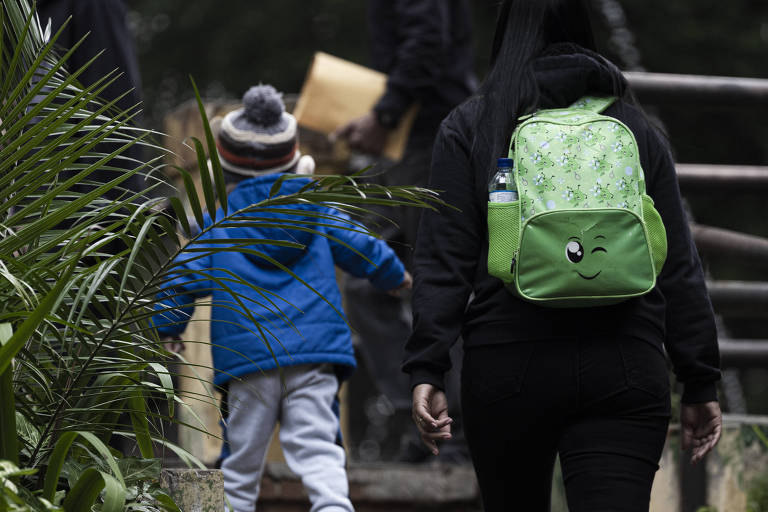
502 188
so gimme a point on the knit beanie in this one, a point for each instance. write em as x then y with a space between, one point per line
259 138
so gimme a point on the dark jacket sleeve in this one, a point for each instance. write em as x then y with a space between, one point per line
445 260
691 335
422 26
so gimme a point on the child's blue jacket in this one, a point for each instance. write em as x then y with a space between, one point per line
313 332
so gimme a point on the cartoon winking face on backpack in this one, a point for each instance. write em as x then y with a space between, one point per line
582 258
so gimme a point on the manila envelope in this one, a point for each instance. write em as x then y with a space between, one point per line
337 91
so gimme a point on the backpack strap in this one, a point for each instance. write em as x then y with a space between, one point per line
593 103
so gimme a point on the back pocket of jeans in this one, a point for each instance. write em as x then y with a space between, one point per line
495 372
645 366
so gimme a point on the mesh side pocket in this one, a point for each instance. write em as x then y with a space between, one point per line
657 234
503 239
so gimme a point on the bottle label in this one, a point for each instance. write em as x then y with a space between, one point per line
503 196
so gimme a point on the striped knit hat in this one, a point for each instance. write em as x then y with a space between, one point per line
259 138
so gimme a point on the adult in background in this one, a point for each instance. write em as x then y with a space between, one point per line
589 384
102 27
104 24
425 48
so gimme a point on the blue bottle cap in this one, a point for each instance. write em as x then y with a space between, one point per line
505 162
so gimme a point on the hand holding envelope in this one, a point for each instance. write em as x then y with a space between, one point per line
337 92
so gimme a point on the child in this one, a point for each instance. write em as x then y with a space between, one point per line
256 144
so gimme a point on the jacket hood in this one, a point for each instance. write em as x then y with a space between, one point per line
565 72
257 189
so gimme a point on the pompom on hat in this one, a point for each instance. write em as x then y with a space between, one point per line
261 137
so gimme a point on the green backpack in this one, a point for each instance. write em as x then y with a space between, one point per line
583 232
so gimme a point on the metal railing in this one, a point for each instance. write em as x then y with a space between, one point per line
733 178
720 91
731 299
744 353
750 250
739 299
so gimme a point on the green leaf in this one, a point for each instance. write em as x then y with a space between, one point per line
87 489
137 247
138 414
194 201
181 215
760 435
213 154
205 180
55 463
26 430
188 459
167 382
59 454
114 494
277 185
166 502
8 438
135 469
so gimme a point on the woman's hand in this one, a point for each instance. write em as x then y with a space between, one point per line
701 425
430 413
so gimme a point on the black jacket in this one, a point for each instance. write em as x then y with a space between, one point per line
454 295
425 48
103 25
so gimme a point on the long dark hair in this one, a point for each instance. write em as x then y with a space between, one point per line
524 29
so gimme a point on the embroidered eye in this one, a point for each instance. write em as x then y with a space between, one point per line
574 251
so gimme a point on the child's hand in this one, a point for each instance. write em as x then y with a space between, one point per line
173 344
407 284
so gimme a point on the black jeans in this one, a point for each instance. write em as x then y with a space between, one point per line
602 404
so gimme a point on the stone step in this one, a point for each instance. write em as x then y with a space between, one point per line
379 487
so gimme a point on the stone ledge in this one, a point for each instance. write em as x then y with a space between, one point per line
450 488
195 490
373 487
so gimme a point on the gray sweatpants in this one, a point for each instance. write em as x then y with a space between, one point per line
308 433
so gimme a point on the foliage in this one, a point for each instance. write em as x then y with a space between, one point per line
757 494
273 41
82 261
757 491
15 499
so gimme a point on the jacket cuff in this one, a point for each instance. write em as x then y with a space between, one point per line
699 392
391 106
425 376
389 275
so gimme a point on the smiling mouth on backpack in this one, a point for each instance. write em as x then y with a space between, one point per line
588 277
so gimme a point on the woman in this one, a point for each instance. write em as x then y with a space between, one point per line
589 384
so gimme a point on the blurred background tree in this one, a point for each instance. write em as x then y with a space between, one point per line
228 46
